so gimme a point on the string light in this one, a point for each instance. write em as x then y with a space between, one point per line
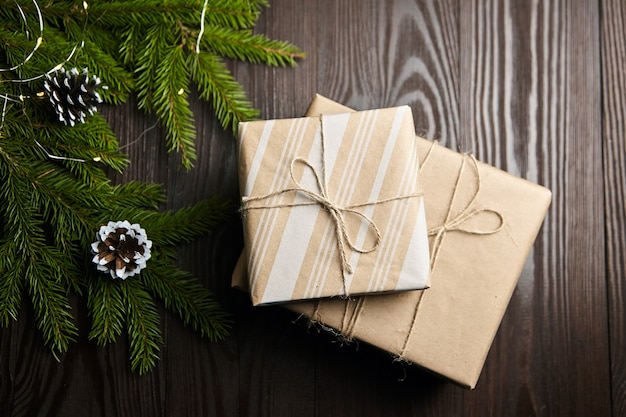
38 44
204 7
141 135
56 68
39 39
8 98
56 157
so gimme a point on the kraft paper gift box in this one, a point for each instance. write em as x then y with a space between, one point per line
332 206
482 224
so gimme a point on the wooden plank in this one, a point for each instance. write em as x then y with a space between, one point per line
530 95
614 141
42 386
381 54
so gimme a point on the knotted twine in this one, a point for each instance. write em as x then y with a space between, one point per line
450 224
336 211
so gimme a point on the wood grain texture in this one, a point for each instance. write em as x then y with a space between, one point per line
533 87
531 107
614 142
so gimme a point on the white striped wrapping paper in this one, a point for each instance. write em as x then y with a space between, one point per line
292 251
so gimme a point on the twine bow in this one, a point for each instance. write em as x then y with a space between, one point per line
450 224
453 224
456 224
336 211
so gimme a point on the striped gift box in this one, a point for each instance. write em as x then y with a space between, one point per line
332 206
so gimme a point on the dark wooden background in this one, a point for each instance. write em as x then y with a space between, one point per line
537 88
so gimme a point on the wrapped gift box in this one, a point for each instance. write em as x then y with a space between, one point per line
482 224
332 206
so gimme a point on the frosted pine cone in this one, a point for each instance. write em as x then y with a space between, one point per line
122 249
73 94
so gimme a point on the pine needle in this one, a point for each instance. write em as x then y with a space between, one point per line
54 189
105 301
151 48
143 327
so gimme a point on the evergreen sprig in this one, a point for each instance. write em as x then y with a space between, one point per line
50 211
54 191
115 306
157 49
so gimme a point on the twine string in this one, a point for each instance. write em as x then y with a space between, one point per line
454 224
350 327
337 212
451 224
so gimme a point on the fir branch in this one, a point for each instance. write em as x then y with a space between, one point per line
10 283
119 81
143 327
55 13
12 41
138 195
52 308
98 52
54 48
146 37
189 222
21 220
105 303
237 14
246 46
173 228
64 202
142 13
51 204
172 107
130 45
25 213
148 63
192 302
38 194
58 209
90 171
93 141
215 84
65 271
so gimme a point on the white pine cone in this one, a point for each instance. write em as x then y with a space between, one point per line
122 249
73 94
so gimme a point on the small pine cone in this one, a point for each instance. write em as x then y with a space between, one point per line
73 94
122 249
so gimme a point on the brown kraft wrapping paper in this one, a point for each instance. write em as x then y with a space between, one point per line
482 223
332 205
